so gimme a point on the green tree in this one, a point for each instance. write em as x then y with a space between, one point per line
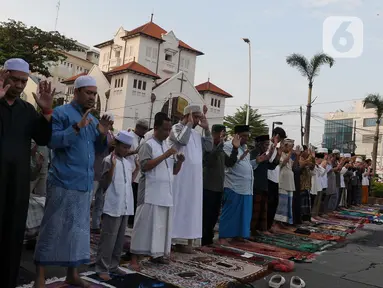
375 101
39 48
310 70
256 123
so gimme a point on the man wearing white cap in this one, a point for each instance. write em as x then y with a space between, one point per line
138 134
64 231
116 179
19 123
188 184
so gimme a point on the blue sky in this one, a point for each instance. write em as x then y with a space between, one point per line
276 29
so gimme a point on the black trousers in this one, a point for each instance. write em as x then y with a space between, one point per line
211 207
272 203
14 201
135 190
297 207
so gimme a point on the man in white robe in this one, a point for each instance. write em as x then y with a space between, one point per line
154 215
188 184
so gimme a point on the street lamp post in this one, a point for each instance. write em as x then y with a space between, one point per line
275 123
247 40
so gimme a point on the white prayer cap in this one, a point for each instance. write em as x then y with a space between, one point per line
335 151
110 115
142 123
193 108
16 64
341 155
347 155
358 160
124 137
322 150
85 81
289 141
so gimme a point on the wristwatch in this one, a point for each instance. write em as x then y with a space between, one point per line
76 128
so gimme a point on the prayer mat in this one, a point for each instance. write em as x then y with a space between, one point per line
328 226
312 235
242 271
272 264
293 242
133 280
185 276
62 284
273 251
318 230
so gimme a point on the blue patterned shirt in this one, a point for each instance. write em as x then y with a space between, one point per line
74 154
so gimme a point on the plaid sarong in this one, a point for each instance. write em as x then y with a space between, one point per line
259 217
305 203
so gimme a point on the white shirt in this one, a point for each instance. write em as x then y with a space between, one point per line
316 184
365 180
119 199
324 181
273 175
342 172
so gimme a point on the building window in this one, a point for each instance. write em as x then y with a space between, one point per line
168 57
139 85
154 53
370 122
117 54
219 104
369 138
212 102
118 83
215 102
149 52
144 85
135 83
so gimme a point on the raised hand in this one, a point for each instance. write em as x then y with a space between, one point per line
204 109
104 124
85 120
236 141
180 157
114 161
3 89
44 96
170 152
203 122
222 136
190 118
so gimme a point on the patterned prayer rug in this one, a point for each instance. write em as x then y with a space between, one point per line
312 235
314 229
242 271
185 276
60 283
294 242
328 226
273 251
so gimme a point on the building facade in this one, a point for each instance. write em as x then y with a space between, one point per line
339 126
150 70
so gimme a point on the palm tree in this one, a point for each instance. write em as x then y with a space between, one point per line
256 123
309 69
375 101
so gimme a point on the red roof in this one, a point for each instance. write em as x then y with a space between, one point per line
133 67
152 30
210 87
73 78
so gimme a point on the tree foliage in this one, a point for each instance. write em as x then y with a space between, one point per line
39 48
257 124
309 69
374 101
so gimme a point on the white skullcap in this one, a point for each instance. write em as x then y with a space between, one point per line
142 123
341 155
322 150
335 151
16 64
359 160
124 137
85 81
347 155
289 141
110 115
192 109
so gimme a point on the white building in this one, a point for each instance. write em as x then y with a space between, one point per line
145 68
341 124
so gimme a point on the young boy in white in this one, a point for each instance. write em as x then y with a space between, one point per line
117 175
153 220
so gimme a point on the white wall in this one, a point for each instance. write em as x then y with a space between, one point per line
148 53
102 85
215 113
188 64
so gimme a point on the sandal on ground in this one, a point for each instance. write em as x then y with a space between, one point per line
297 282
277 281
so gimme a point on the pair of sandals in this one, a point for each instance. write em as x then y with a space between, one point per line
278 281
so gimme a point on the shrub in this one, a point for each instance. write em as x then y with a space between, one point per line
377 189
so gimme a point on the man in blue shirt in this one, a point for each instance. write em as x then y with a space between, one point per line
65 232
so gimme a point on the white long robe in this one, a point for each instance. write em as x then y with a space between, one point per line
187 191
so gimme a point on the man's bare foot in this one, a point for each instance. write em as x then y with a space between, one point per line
77 281
223 241
184 249
104 276
267 233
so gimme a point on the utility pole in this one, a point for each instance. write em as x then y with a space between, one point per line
302 133
57 14
354 144
247 40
